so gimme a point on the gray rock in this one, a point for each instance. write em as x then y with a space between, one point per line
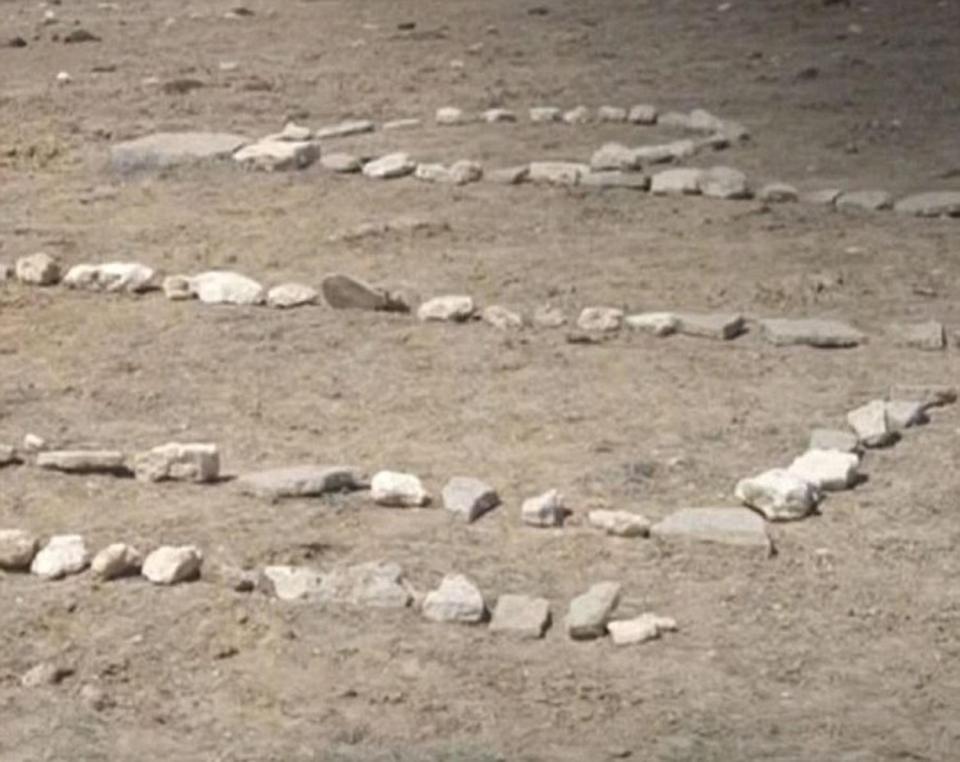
903 414
130 277
374 585
192 462
825 197
701 120
520 617
83 461
345 129
612 114
868 200
278 155
457 600
871 425
293 132
166 149
289 295
498 115
811 332
454 308
548 316
711 325
578 115
221 287
301 481
683 181
725 526
675 119
38 270
620 523
614 156
17 549
290 583
778 193
501 318
398 490
643 113
469 497
589 613
508 175
931 395
828 470
449 116
343 292
643 628
674 151
724 183
169 565
833 439
615 179
63 555
401 124
935 204
601 319
929 335
388 167
657 323
557 172
115 561
546 510
779 494
541 114
342 163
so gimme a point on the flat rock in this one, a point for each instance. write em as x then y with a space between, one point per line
278 155
871 425
824 197
724 526
931 395
343 292
675 119
620 523
376 584
169 565
546 510
601 319
344 129
904 414
657 323
612 114
469 497
683 181
289 295
449 116
459 173
38 269
17 549
457 600
724 183
614 156
83 461
701 120
828 470
453 308
508 175
174 461
834 439
115 561
63 555
778 494
676 150
646 627
46 673
589 613
928 336
711 325
557 172
502 318
8 455
301 481
498 115
223 287
177 288
290 583
294 132
520 617
643 113
867 200
616 179
342 163
934 204
398 490
548 316
824 334
391 166
578 115
541 114
166 149
401 124
131 277
778 193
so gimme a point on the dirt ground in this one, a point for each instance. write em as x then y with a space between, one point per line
844 647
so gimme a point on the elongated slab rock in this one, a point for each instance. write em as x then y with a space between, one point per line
711 325
725 526
935 204
83 461
825 334
113 276
301 481
165 149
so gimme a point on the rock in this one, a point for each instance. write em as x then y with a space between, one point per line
278 155
603 319
612 114
221 287
645 627
724 183
459 173
45 674
546 510
38 270
521 617
676 182
825 334
33 443
456 600
616 179
193 462
834 439
469 497
589 613
343 292
63 555
113 276
701 120
871 425
929 335
17 549
401 124
289 295
936 204
235 578
868 200
374 585
578 115
643 113
344 129
931 395
456 309
177 288
725 526
620 523
657 154
388 167
657 323
290 583
825 197
557 172
904 414
778 193
509 175
501 317
548 316
169 565
497 115
778 494
8 455
301 481
399 490
293 132
117 560
540 114
167 149
674 119
342 163
614 156
713 325
449 116
734 132
828 470
83 461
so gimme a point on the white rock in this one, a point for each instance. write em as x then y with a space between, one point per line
456 600
556 172
778 494
674 182
38 270
167 149
169 565
546 510
703 121
643 628
827 469
614 156
83 461
112 276
502 318
295 132
343 163
469 497
117 560
459 173
675 151
177 288
619 523
288 295
450 116
399 490
589 613
778 193
291 583
221 287
657 323
605 319
278 155
612 114
643 113
345 129
454 308
674 119
578 115
929 335
935 204
867 200
520 617
388 167
45 674
194 462
33 443
17 549
724 183
540 114
64 554
871 425
834 439
495 115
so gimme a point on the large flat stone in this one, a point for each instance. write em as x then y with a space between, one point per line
934 204
589 613
710 325
521 617
724 526
825 334
165 149
83 461
301 481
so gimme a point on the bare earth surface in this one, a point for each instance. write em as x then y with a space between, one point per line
845 646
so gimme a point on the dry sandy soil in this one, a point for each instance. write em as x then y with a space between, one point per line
844 647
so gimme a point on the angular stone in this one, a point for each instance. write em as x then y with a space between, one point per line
375 585
578 115
115 561
557 172
546 510
177 288
221 287
548 316
278 155
502 318
614 156
725 526
166 149
293 132
643 628
778 193
450 116
616 179
131 277
929 335
83 461
17 549
520 617
399 490
345 129
834 439
497 115
602 319
540 114
401 124
301 481
934 204
38 270
931 395
290 583
456 600
778 494
676 182
589 613
343 292
724 183
611 114
871 425
508 175
701 120
342 163
169 565
828 470
63 555
674 119
388 167
824 334
620 523
904 414
657 154
459 173
469 497
33 443
712 325
289 295
825 197
643 113
456 309
868 200
192 462
657 323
